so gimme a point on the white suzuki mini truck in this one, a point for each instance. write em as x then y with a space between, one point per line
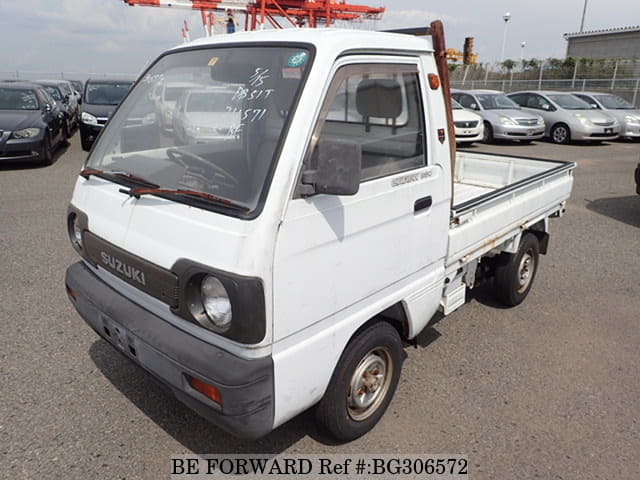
282 262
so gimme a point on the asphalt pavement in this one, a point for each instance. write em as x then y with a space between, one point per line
549 389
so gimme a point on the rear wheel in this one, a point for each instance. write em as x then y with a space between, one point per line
560 134
514 274
487 136
363 383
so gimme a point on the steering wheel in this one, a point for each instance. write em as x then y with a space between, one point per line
228 180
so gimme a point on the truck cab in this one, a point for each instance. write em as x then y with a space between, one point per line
279 262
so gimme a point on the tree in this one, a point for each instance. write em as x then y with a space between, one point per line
508 65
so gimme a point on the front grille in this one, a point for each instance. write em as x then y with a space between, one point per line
603 124
102 120
471 124
527 121
142 274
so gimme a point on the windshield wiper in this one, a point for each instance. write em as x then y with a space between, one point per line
138 192
87 172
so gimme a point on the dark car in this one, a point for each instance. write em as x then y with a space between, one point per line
638 179
61 92
99 100
31 124
78 86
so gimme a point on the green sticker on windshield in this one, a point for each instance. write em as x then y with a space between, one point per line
297 59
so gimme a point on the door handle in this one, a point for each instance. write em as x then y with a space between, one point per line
422 204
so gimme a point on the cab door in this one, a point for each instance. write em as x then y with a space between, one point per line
339 254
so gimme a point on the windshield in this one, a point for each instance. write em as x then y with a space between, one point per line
570 102
497 101
65 88
614 102
54 92
106 93
219 136
18 99
455 105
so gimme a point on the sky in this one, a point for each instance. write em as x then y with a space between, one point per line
109 37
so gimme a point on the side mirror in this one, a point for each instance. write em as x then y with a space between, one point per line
546 106
338 168
594 106
47 108
474 106
66 99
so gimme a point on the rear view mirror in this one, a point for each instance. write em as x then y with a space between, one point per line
338 166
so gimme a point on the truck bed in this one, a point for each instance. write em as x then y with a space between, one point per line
496 196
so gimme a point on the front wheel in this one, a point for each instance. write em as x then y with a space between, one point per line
363 383
487 136
560 134
514 274
47 151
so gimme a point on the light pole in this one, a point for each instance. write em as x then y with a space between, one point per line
506 17
584 13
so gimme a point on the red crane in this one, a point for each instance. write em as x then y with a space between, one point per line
298 12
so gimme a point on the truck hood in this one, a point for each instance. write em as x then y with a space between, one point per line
162 232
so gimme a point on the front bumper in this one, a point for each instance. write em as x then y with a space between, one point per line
89 133
464 135
595 132
172 356
518 132
27 149
630 130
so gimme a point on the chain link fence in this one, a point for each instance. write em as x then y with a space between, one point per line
620 77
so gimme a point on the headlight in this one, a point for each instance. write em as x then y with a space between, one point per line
215 301
631 119
26 133
88 119
507 121
584 120
75 232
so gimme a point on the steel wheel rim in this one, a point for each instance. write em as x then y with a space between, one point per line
525 270
560 134
370 383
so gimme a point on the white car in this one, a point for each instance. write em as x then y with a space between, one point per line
469 126
204 115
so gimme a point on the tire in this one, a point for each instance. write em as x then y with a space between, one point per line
514 274
487 136
560 134
47 151
66 130
370 365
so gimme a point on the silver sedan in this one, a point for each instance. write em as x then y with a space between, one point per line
617 107
567 117
503 118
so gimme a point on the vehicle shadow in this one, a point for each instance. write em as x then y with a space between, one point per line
623 209
195 433
485 295
31 165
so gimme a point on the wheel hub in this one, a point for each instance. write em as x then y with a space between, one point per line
369 384
525 271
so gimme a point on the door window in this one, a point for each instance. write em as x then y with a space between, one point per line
379 108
